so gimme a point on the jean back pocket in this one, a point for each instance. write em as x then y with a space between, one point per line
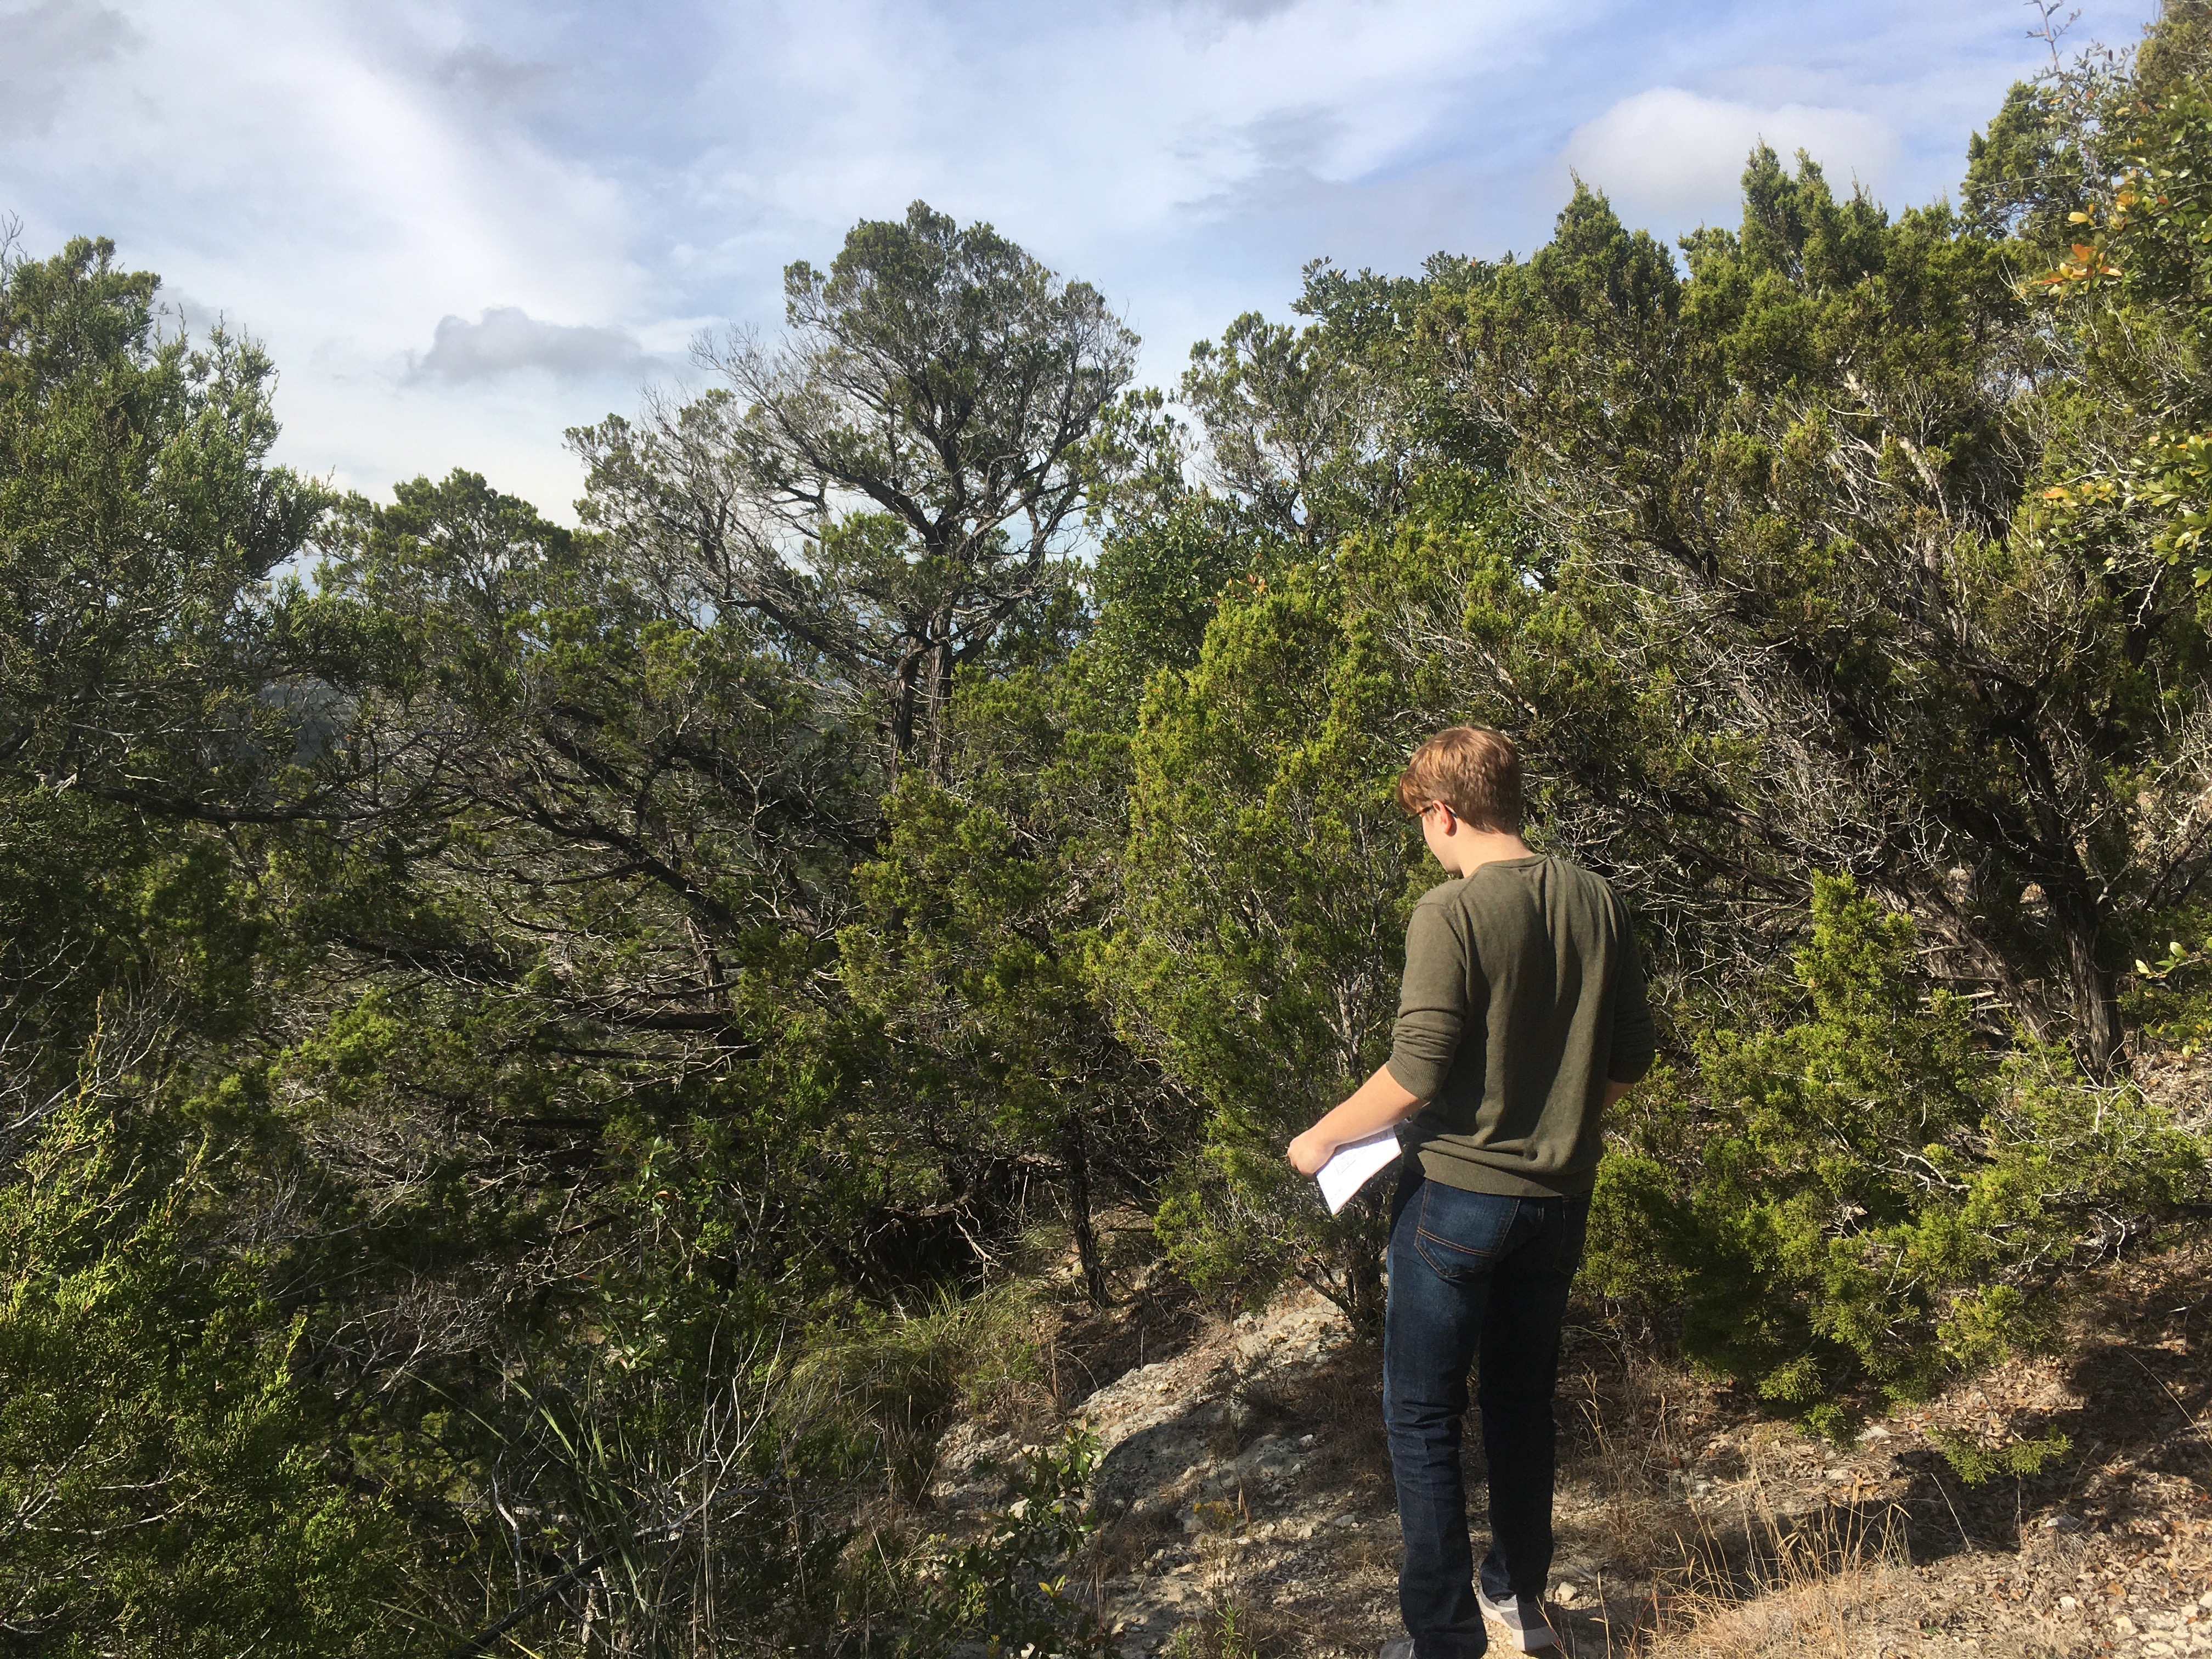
1458 1233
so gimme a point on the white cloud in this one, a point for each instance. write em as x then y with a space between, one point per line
1161 149
1159 116
335 179
398 194
1673 156
45 49
508 340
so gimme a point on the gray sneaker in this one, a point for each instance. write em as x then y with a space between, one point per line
1401 1649
1521 1618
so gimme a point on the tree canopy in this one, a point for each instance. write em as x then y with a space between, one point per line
900 481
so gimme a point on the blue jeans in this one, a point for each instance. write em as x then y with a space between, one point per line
1473 1270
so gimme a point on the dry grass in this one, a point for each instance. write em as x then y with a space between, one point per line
1632 1442
1822 1617
1760 1571
1784 1584
1124 1541
1232 1628
1232 1624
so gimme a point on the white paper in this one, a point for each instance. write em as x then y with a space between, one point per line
1350 1166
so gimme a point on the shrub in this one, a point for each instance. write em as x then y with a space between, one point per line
1268 875
1009 1589
172 1486
894 1378
1869 1199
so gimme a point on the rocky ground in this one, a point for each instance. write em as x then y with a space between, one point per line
1245 1493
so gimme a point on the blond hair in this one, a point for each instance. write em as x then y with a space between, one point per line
1470 769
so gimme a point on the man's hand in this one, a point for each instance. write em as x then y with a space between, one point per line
1376 1104
1309 1151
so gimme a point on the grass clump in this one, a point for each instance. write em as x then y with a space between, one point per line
894 1378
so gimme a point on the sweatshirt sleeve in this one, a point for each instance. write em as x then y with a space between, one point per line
1432 1008
1634 1044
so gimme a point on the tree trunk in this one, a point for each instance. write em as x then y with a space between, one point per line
1075 1158
902 710
940 703
1363 1283
1952 923
2091 988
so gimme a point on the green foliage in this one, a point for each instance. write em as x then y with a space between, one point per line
172 1483
2129 289
1976 1464
1864 1197
1298 421
2026 172
1221 1634
940 374
1009 1590
649 1491
138 517
981 918
1157 585
1268 874
893 1378
1794 487
2170 999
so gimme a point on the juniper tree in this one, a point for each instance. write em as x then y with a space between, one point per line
1802 486
898 481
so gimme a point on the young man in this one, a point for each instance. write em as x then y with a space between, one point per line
1521 1019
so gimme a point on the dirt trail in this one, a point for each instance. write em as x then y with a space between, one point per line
1245 1483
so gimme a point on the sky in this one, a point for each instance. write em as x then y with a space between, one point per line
460 229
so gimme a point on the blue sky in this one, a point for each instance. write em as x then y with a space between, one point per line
462 228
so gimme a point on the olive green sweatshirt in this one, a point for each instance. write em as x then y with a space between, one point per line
1523 995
